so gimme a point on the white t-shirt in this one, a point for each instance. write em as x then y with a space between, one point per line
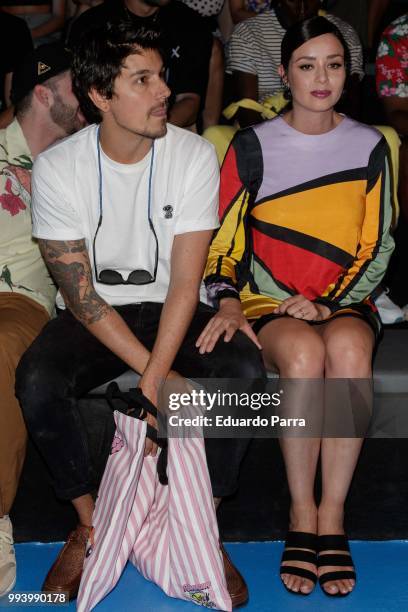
184 198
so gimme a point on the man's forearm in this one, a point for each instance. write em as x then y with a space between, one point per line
54 24
241 15
102 320
178 311
69 265
114 333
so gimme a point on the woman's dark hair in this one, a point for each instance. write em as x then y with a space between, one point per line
100 56
303 31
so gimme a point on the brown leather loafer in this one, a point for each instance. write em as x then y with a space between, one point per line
236 585
65 573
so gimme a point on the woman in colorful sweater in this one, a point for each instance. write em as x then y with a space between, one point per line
304 240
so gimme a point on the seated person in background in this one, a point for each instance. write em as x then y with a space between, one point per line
392 88
187 46
80 6
15 44
245 9
304 240
77 7
208 9
46 110
354 12
124 212
364 15
376 11
255 54
234 11
45 19
209 12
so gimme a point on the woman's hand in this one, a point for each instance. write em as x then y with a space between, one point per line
300 307
228 319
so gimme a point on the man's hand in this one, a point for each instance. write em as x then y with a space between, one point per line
228 319
300 307
188 258
151 390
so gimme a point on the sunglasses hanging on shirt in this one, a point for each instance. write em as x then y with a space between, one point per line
114 277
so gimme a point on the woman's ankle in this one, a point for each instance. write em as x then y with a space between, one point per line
303 517
330 517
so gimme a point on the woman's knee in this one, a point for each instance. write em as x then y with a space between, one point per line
349 351
306 360
297 353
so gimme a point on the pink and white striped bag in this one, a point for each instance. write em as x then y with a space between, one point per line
169 532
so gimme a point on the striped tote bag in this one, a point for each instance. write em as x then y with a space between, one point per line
168 531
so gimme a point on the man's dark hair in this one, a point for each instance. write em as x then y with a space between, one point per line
303 31
100 56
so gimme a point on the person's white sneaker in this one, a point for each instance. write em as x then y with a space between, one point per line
388 311
7 556
405 312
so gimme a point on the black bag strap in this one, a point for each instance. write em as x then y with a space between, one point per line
137 407
134 400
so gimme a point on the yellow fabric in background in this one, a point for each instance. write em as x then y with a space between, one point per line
221 135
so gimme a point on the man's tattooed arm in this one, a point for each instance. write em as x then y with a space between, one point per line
69 264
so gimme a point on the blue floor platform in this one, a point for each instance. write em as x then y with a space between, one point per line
382 582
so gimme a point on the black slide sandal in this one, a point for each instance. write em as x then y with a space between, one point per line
298 540
340 543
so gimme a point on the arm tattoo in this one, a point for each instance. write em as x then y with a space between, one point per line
55 248
69 265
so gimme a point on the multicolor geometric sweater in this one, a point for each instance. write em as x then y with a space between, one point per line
302 214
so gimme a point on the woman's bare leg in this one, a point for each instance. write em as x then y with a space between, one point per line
349 345
296 350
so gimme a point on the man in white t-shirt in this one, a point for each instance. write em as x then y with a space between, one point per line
124 212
